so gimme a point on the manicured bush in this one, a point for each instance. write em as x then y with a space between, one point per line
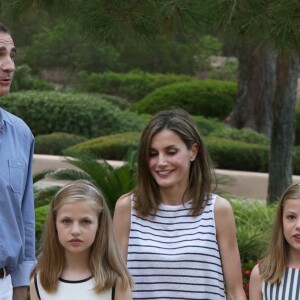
215 128
244 135
208 125
236 155
55 142
133 85
208 98
80 114
120 102
113 147
226 153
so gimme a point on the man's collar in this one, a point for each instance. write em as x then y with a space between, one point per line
4 117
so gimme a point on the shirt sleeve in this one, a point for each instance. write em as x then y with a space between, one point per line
21 276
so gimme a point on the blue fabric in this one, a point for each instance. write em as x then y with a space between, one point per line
17 229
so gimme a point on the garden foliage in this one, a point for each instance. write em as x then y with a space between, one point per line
80 114
133 86
208 98
54 143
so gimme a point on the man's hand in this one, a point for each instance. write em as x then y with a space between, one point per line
20 293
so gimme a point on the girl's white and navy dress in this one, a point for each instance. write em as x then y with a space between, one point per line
173 255
287 289
74 290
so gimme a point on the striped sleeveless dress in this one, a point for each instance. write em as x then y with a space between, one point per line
173 255
287 289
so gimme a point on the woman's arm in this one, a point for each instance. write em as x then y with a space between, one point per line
229 252
122 293
255 287
122 218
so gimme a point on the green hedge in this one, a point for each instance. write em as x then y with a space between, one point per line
208 125
226 154
237 155
208 98
133 85
113 147
244 135
120 102
54 143
80 114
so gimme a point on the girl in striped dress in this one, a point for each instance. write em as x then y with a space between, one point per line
277 276
179 240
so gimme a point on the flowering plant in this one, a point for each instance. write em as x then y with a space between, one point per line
246 272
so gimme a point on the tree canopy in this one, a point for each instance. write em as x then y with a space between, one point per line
265 24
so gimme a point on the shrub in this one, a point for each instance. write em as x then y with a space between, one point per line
244 135
80 114
236 155
113 147
208 125
120 102
40 217
253 221
23 80
133 85
54 143
225 153
207 98
228 72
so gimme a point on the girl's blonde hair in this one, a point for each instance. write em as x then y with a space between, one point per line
201 172
274 263
105 261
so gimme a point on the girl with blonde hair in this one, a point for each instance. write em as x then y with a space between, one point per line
277 275
79 257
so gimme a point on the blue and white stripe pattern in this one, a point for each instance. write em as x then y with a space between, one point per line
173 255
287 289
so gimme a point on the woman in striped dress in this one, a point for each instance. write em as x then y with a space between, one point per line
277 276
179 240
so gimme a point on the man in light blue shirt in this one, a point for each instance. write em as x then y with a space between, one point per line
17 232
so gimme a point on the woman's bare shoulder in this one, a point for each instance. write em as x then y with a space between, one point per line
124 202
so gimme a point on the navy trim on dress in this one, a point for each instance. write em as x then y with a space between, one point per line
74 281
36 286
113 293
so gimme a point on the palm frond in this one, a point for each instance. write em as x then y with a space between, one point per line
42 175
112 181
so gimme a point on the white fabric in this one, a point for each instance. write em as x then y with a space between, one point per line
173 255
6 289
75 290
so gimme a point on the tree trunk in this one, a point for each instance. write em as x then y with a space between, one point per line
283 131
255 90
